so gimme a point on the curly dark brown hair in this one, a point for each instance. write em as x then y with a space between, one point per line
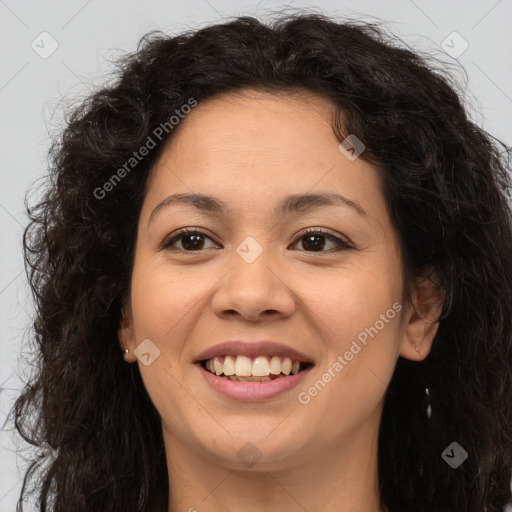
447 187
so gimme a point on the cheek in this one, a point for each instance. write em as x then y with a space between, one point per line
361 353
164 305
164 297
346 302
358 318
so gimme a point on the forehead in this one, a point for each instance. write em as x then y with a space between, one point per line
250 129
255 146
254 120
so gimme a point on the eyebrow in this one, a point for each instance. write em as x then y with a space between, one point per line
294 203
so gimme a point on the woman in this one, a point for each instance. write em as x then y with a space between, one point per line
302 246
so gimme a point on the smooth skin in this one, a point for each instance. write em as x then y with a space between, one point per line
251 149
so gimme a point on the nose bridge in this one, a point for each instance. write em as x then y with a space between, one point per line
253 264
253 286
249 250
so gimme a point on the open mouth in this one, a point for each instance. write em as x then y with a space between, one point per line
253 369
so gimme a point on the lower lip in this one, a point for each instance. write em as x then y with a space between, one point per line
252 391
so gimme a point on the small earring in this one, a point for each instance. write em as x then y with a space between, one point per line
126 351
417 349
427 399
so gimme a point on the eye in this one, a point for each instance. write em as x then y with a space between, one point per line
190 239
314 239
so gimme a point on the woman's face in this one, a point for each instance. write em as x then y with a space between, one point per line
253 274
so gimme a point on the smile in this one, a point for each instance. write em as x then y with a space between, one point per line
253 369
252 378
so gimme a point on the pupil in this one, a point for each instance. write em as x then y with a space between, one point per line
196 244
317 245
196 241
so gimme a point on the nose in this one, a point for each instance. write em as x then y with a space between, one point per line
254 290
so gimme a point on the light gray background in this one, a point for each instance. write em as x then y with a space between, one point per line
89 33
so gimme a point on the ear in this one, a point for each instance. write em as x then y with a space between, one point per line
421 317
125 332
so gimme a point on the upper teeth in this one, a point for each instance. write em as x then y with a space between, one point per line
260 366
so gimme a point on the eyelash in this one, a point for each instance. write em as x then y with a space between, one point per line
343 245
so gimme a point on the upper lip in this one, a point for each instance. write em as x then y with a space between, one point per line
253 349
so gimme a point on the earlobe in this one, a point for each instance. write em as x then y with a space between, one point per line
422 321
125 333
